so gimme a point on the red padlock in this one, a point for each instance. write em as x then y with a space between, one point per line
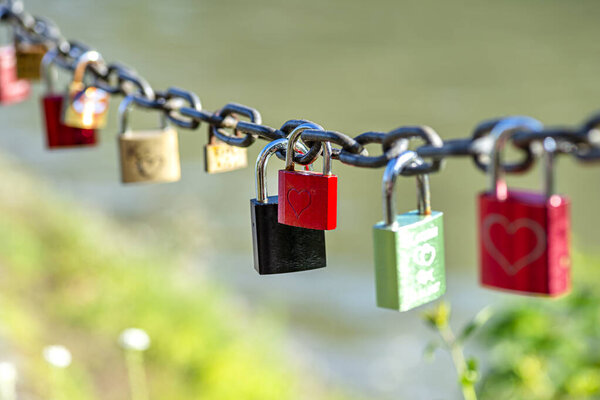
12 90
524 235
307 199
58 134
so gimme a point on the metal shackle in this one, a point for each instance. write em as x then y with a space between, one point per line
501 133
83 62
261 165
395 168
49 75
293 138
124 109
549 146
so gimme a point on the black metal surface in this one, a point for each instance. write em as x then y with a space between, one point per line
279 248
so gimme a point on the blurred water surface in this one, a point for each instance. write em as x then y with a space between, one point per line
351 66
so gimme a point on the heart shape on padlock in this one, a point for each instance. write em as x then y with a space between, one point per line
511 228
148 164
299 200
424 255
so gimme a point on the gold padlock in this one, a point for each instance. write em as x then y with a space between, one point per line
148 155
29 59
85 106
221 157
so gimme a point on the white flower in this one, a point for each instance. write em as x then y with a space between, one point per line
8 372
57 356
134 339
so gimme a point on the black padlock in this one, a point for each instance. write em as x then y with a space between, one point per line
280 248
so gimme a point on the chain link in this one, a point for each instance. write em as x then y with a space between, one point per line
183 108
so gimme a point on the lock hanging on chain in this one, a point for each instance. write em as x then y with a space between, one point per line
280 248
147 155
12 89
524 235
29 55
85 106
307 199
221 157
409 247
59 135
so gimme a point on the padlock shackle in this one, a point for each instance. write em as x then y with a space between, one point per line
124 109
549 147
501 133
394 168
48 74
84 61
261 165
293 138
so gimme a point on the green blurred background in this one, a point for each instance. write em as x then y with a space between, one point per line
350 66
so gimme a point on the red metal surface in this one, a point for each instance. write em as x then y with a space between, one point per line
307 199
12 90
59 135
525 243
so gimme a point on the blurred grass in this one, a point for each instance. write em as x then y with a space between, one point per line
70 277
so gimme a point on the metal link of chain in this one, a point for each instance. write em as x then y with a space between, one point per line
183 108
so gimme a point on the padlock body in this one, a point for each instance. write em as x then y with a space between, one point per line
525 243
221 157
59 135
29 60
280 248
307 199
85 107
150 156
409 261
12 90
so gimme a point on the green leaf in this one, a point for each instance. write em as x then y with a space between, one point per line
472 364
429 352
477 322
438 316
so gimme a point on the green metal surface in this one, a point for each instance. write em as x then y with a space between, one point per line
409 261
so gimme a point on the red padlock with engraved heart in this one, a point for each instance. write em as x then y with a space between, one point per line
58 134
307 199
12 90
524 235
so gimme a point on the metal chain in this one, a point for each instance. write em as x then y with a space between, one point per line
239 125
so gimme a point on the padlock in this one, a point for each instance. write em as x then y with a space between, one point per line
221 157
149 155
85 106
408 248
307 199
59 135
12 90
280 248
524 235
29 58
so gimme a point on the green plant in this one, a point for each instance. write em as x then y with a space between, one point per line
438 318
545 350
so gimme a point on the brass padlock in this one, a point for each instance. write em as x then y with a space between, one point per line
221 157
148 155
85 106
29 59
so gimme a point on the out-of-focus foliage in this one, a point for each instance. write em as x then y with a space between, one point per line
438 318
543 349
73 278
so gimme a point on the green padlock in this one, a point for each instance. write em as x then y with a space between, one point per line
409 248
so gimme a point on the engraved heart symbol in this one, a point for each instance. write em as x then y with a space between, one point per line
299 200
147 164
511 229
